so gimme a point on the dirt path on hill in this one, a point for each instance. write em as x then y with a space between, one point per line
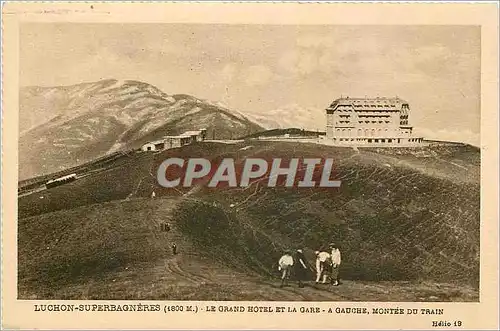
189 269
189 275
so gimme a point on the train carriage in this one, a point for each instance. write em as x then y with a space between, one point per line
60 181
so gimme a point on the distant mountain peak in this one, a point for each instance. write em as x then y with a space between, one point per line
73 124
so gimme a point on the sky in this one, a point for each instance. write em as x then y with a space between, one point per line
261 68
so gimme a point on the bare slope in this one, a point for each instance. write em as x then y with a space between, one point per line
65 126
127 257
406 219
412 215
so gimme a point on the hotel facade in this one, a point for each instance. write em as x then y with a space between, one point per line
370 122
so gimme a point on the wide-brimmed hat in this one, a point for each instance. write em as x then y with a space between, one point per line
299 250
316 252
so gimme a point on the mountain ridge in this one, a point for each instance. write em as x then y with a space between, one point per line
64 126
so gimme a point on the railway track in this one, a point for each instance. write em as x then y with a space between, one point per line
38 184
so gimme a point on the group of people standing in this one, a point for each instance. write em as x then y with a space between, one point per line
327 264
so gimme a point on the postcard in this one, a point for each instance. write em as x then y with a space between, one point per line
238 165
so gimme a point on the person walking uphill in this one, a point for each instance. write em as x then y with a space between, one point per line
321 265
285 266
300 267
336 260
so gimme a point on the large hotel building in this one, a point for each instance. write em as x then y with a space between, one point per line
370 121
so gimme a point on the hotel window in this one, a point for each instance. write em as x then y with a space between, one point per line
376 140
389 140
383 140
369 140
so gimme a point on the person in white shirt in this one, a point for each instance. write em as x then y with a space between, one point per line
336 260
321 264
285 264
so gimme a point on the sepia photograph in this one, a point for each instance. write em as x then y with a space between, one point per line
250 166
396 109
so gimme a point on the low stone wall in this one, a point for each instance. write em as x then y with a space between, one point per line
376 142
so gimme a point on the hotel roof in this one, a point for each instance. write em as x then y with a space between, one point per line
156 142
191 133
369 103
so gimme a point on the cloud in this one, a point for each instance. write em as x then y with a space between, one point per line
301 62
256 75
432 53
234 75
371 57
228 72
464 136
327 55
311 41
293 116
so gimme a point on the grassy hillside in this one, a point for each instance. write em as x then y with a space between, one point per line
401 215
393 219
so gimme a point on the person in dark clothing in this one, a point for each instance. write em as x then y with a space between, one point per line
300 267
174 249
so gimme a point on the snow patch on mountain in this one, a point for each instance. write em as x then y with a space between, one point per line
225 107
124 118
117 84
193 111
291 116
